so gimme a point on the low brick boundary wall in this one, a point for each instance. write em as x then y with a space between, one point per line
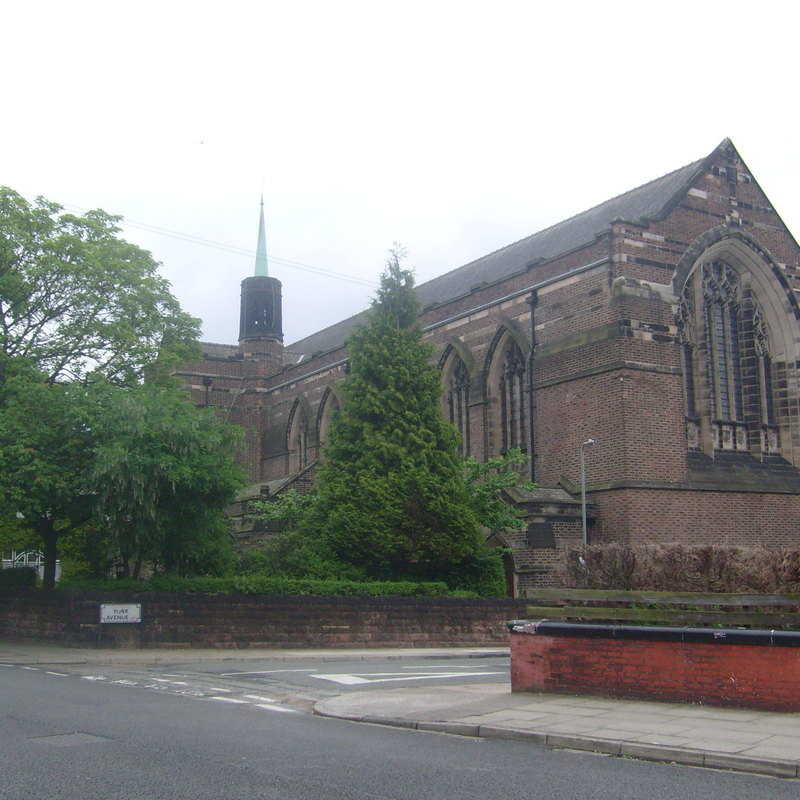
183 620
739 668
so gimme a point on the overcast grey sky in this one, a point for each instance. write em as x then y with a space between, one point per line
452 127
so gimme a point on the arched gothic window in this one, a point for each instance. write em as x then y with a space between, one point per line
458 402
726 362
328 409
512 410
298 439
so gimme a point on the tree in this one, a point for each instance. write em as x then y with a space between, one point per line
391 497
148 470
76 300
163 473
46 445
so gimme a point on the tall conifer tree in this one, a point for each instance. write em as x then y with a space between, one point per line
392 498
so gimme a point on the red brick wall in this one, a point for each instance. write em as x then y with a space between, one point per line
649 516
174 620
749 676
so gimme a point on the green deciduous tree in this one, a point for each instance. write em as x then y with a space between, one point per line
138 471
76 300
46 448
94 437
163 473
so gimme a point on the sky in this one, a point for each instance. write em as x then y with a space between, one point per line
453 128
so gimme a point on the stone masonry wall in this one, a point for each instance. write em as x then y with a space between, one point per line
179 620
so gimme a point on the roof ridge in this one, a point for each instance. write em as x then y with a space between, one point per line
692 165
696 163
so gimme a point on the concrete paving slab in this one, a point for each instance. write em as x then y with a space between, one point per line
787 747
640 727
575 725
743 737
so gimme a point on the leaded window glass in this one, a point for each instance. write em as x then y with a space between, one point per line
723 337
458 403
512 393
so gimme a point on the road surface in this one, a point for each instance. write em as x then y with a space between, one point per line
96 736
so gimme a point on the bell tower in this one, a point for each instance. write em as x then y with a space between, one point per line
260 318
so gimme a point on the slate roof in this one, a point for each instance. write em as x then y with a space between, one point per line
651 200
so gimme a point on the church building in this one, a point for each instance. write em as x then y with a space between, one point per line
655 337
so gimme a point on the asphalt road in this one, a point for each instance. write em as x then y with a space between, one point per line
299 683
71 737
340 676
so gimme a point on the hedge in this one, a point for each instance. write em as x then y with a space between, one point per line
270 585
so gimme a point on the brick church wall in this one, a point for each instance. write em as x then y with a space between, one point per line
607 366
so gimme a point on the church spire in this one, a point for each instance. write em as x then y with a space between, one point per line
261 250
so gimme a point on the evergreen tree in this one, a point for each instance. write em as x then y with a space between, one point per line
392 498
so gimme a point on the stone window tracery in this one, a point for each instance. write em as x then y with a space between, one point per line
458 403
512 393
298 439
328 410
726 363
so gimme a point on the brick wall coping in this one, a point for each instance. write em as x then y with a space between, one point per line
653 633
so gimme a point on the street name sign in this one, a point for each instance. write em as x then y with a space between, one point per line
128 612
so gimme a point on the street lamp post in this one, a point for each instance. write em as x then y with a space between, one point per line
587 443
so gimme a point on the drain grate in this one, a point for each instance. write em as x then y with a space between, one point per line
70 739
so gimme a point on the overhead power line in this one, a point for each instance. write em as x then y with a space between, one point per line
236 250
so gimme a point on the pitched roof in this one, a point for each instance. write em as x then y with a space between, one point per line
651 200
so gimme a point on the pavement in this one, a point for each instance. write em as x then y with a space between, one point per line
762 742
704 736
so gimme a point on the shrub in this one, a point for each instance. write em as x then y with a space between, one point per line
682 568
268 585
17 579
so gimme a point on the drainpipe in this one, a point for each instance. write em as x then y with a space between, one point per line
587 443
532 301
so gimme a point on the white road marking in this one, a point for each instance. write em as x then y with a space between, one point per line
229 700
174 683
217 689
34 669
125 683
270 707
59 674
94 677
258 697
347 680
262 672
450 667
352 680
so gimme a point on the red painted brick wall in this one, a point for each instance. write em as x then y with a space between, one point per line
747 676
175 620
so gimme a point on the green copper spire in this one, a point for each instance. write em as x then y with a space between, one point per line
261 250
